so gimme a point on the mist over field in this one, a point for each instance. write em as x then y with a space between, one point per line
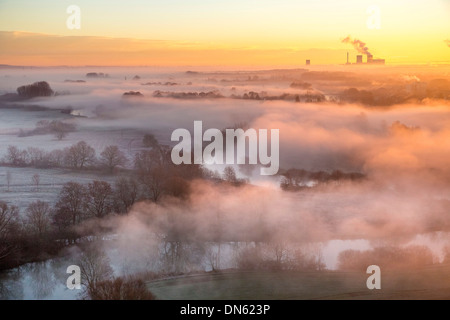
364 172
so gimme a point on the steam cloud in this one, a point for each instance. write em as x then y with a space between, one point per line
357 44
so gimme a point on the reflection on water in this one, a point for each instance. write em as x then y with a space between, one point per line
47 280
11 286
37 281
42 281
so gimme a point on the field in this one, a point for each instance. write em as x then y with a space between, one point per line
426 283
22 192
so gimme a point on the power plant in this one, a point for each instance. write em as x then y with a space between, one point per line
361 47
370 60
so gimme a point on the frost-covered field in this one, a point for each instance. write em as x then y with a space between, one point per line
22 191
12 121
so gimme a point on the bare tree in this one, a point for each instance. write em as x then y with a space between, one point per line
60 134
36 179
57 157
150 141
111 157
8 178
38 218
8 226
95 267
308 257
15 156
99 201
125 194
60 129
152 167
80 155
154 183
36 156
212 256
69 209
278 250
122 289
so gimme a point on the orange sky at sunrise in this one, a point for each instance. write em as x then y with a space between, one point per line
262 32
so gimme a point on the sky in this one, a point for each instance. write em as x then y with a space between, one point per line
233 32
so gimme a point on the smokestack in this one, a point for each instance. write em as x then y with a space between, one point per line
347 58
361 48
308 62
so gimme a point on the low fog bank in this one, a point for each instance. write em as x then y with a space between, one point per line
398 146
250 227
410 133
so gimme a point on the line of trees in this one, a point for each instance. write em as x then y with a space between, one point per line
27 237
387 257
296 179
42 229
46 228
78 157
59 129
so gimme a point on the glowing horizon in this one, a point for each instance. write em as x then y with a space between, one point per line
261 32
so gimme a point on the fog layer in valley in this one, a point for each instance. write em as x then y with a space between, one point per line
387 126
